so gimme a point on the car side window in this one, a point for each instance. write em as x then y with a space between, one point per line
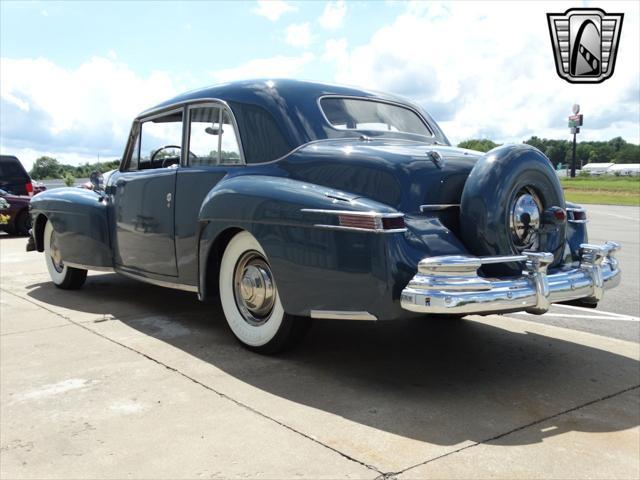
158 143
230 150
212 137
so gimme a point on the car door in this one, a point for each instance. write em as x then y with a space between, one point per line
214 151
143 197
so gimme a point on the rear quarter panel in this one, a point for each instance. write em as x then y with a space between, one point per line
315 268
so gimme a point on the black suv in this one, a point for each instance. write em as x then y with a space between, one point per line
13 177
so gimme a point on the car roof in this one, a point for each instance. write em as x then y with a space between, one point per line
263 92
293 113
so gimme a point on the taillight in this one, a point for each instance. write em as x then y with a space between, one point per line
379 222
372 221
576 215
29 187
392 223
357 221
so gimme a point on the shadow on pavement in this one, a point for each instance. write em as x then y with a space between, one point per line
434 380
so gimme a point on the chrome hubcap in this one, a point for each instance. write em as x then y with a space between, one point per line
254 288
525 220
56 256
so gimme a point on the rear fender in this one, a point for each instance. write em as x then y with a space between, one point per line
313 266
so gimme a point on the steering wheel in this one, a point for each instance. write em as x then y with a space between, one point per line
154 154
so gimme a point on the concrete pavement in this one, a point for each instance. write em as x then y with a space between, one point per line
618 313
123 379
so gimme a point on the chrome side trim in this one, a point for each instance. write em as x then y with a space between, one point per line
159 283
354 212
452 284
378 216
341 315
436 208
356 229
89 267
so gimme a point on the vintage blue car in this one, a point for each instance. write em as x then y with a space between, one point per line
294 200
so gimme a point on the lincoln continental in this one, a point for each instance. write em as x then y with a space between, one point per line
292 201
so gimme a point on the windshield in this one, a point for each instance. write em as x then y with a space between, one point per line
357 114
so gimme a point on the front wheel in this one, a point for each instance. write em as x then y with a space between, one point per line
250 299
63 276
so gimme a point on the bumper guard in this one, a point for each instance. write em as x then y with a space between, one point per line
451 284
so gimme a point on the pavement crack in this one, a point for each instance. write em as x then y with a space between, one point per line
207 387
514 430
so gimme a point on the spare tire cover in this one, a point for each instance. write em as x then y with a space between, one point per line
504 184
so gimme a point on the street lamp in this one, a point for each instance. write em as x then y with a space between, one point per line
575 122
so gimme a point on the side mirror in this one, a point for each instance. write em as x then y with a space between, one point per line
97 181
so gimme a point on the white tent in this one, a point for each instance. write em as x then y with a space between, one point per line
625 169
597 168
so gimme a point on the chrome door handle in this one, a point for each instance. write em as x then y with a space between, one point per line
168 200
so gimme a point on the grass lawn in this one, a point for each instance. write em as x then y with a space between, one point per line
607 190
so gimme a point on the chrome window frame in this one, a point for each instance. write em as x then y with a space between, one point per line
223 107
136 133
163 110
377 100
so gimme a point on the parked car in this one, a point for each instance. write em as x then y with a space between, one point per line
91 186
38 187
293 200
14 213
13 177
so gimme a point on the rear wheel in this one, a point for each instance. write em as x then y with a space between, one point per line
62 276
250 299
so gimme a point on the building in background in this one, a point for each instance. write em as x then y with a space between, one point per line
625 169
597 168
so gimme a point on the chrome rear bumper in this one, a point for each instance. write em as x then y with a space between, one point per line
451 284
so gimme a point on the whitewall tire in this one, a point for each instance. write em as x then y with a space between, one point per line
250 298
63 276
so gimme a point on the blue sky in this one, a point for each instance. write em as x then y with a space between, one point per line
73 74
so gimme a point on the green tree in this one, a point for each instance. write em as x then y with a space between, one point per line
537 143
479 144
628 153
617 143
46 167
69 180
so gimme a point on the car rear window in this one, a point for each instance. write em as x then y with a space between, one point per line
364 114
11 168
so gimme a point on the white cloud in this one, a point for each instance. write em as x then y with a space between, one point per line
44 13
273 67
336 49
299 35
482 74
273 9
333 15
73 114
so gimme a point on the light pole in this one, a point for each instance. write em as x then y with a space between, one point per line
575 122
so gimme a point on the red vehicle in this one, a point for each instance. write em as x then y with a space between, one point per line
13 177
14 213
